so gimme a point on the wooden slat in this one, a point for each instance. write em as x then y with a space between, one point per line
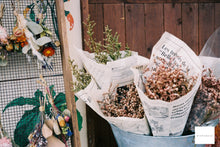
90 116
217 15
144 1
116 23
150 1
206 22
153 25
105 1
96 12
172 19
84 16
67 74
135 33
190 25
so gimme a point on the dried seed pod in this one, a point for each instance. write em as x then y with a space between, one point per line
206 103
168 83
124 103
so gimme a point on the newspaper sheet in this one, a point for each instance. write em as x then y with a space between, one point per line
199 108
169 118
91 94
113 72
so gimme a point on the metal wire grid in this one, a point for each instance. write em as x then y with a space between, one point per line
19 77
19 61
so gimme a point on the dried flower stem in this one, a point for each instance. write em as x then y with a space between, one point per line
167 83
108 51
206 104
124 103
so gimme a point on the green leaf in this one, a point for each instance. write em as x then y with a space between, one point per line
65 0
59 101
52 91
38 94
25 126
32 15
66 12
76 98
21 101
80 119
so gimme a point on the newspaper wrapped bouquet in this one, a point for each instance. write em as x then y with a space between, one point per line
108 62
206 105
168 85
110 92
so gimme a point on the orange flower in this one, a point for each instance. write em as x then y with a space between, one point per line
48 51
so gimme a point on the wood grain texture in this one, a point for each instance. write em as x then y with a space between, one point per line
135 30
144 1
114 17
190 25
84 16
105 1
150 1
173 19
206 22
217 15
153 25
96 12
67 74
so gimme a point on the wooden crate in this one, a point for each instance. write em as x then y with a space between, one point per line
141 23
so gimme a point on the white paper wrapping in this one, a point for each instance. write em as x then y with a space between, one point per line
91 94
114 72
169 118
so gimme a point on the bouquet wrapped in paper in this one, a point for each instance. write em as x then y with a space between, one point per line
168 85
110 91
206 105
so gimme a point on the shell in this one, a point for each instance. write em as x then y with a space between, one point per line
67 112
56 128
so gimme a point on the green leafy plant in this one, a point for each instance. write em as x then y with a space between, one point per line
108 51
31 117
82 77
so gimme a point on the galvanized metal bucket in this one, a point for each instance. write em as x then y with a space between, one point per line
126 139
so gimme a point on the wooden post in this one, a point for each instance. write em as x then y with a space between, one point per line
67 75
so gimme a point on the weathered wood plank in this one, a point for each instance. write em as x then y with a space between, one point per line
190 25
84 16
135 33
151 1
217 15
206 22
105 1
67 74
116 23
96 13
143 1
153 25
172 19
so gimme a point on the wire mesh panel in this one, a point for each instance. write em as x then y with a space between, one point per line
19 77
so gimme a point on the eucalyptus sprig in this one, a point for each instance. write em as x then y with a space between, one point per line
83 78
108 51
